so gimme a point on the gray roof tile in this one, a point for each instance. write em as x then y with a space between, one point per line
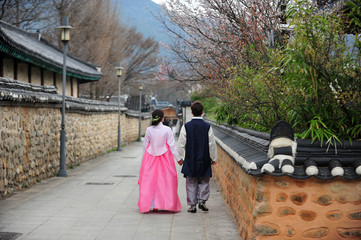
253 148
27 43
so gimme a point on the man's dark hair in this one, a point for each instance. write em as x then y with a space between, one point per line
157 116
197 109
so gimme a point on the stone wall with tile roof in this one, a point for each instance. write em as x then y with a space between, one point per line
30 123
250 147
279 206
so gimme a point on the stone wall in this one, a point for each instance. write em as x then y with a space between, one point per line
239 191
30 145
132 128
271 207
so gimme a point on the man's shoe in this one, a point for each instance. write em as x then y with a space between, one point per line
203 207
192 209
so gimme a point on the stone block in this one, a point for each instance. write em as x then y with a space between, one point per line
355 215
323 200
262 184
285 211
334 215
281 197
260 197
298 198
337 187
262 210
282 183
267 229
354 233
9 144
307 215
341 198
290 231
316 232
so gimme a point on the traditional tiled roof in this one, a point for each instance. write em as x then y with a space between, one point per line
13 92
185 103
164 106
249 149
27 47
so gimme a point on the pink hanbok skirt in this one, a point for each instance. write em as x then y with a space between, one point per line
158 183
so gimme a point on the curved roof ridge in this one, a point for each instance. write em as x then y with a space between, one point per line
24 45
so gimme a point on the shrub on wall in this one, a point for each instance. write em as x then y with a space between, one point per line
313 81
322 73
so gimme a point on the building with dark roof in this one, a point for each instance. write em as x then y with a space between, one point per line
26 57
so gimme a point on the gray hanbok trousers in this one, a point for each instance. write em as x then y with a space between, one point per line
197 190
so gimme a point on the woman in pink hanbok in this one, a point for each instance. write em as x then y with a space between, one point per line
158 183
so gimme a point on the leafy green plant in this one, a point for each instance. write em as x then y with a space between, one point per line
318 131
355 132
321 76
208 101
352 16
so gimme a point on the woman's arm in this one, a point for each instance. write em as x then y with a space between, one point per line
171 144
146 140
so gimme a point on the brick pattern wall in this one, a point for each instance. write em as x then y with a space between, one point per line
239 191
269 207
30 141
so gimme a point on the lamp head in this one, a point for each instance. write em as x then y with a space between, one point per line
119 70
65 30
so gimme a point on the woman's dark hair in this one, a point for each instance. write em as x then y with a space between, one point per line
197 109
157 116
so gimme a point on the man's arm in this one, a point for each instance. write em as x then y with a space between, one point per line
181 145
171 144
212 145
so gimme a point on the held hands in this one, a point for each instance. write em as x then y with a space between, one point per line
180 162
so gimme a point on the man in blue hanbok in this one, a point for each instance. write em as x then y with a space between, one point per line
197 147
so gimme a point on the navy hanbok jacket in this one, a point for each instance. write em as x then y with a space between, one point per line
197 146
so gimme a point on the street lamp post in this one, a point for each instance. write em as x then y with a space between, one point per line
65 37
140 111
119 70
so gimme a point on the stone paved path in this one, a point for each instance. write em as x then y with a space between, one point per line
99 201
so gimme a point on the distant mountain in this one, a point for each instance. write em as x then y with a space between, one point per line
138 14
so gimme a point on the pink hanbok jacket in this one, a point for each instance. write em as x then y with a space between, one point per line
157 137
